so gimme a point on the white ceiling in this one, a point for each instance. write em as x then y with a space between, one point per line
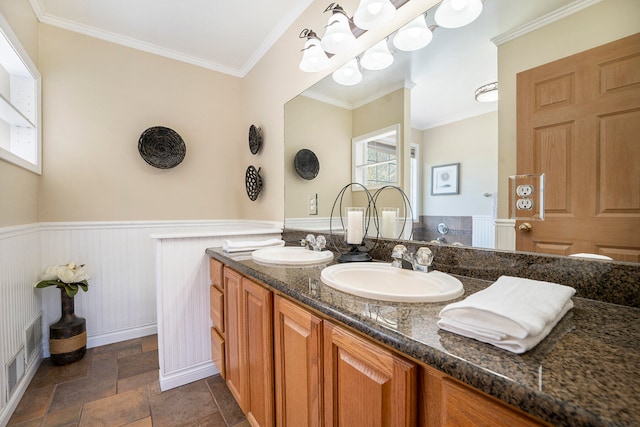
229 36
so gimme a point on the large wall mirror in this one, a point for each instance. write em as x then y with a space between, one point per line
429 94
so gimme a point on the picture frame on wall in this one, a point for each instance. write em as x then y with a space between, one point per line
445 179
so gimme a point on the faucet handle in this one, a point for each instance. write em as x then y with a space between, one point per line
310 239
398 251
424 257
321 242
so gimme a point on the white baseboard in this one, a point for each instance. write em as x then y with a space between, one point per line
186 376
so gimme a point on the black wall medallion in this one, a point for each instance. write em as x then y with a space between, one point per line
306 164
253 182
161 147
255 139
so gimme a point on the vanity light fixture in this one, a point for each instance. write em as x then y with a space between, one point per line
338 37
313 57
457 13
349 74
372 13
413 36
487 93
377 57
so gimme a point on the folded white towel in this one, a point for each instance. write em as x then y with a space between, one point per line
514 345
231 246
509 310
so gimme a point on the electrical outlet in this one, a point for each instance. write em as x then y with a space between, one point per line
525 203
313 203
524 190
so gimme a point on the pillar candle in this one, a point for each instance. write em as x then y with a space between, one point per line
388 223
354 227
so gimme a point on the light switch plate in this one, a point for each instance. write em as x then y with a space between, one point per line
312 203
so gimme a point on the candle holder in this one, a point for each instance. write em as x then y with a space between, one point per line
354 221
385 222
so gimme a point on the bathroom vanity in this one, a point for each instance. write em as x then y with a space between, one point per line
297 352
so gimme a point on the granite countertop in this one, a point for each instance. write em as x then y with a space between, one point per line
585 373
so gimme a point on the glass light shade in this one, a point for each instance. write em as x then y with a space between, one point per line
372 13
313 57
377 57
413 36
349 74
487 93
338 37
457 13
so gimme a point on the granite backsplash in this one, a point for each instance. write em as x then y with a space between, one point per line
608 281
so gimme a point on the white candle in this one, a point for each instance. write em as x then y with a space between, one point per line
388 223
354 227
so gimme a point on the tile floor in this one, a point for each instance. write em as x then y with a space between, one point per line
117 385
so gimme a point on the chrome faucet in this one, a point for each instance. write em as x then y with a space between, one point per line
314 243
420 261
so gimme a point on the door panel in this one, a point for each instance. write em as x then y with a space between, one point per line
579 124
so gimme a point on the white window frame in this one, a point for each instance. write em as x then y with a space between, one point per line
358 151
22 109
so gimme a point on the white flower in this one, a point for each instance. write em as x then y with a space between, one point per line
51 273
70 273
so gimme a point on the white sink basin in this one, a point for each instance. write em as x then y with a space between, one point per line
291 255
382 282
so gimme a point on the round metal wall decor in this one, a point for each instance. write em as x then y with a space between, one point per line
255 139
253 182
161 147
306 164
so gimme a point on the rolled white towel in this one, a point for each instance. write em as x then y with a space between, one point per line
510 308
239 246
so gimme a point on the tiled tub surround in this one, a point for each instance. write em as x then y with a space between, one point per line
585 373
460 228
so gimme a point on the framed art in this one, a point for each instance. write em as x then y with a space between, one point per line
445 179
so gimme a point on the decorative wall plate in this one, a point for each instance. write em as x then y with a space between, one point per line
161 147
253 182
306 164
255 139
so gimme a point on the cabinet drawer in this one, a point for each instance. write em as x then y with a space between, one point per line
215 273
217 351
216 301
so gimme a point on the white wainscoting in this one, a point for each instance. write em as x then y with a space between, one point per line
506 234
20 306
484 231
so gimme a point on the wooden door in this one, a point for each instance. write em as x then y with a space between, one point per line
235 351
579 124
298 365
366 385
258 316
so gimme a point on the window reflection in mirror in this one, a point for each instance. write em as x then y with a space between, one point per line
375 158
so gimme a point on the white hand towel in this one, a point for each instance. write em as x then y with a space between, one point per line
511 307
514 345
231 246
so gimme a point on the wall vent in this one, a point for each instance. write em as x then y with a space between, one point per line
14 372
33 339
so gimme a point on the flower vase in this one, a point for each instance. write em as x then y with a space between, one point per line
68 336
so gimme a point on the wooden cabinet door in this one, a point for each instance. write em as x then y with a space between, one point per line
298 365
258 317
366 385
235 341
579 124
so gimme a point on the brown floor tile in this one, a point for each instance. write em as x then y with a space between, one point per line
181 405
244 423
33 404
116 410
213 420
130 351
116 347
136 381
145 422
103 365
137 364
227 404
149 343
66 417
81 391
31 423
48 373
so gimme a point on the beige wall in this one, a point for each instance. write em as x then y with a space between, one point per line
98 98
602 23
19 187
473 143
321 128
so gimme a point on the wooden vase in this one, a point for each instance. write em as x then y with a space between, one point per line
68 336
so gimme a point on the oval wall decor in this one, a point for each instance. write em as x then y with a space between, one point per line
306 164
161 147
255 139
253 182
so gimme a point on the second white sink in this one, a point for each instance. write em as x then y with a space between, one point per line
382 282
291 255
